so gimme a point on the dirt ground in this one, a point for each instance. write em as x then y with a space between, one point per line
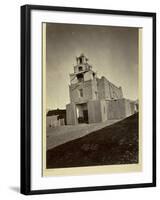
114 144
62 134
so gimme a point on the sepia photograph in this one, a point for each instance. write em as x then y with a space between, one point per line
88 99
92 95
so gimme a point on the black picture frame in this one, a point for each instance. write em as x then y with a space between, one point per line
26 98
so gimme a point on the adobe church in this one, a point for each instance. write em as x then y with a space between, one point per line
94 99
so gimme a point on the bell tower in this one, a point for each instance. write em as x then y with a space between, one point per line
83 82
82 70
82 64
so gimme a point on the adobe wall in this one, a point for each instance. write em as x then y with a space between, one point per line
100 88
116 109
94 111
52 121
128 108
134 107
104 108
107 90
97 111
119 109
89 88
71 114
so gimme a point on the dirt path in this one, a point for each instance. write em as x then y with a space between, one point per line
62 134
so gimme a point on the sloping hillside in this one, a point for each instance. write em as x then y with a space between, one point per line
115 144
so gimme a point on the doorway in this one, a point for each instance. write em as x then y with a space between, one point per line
85 116
82 113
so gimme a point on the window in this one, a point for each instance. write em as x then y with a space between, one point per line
81 92
80 60
80 68
80 77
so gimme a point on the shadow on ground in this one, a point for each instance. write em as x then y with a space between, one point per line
114 144
15 189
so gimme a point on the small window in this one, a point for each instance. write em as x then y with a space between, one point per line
80 60
81 92
80 68
80 77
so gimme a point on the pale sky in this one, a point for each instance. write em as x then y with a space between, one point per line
112 52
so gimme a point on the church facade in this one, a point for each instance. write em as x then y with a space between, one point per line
94 99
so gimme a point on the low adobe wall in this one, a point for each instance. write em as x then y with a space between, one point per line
118 109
